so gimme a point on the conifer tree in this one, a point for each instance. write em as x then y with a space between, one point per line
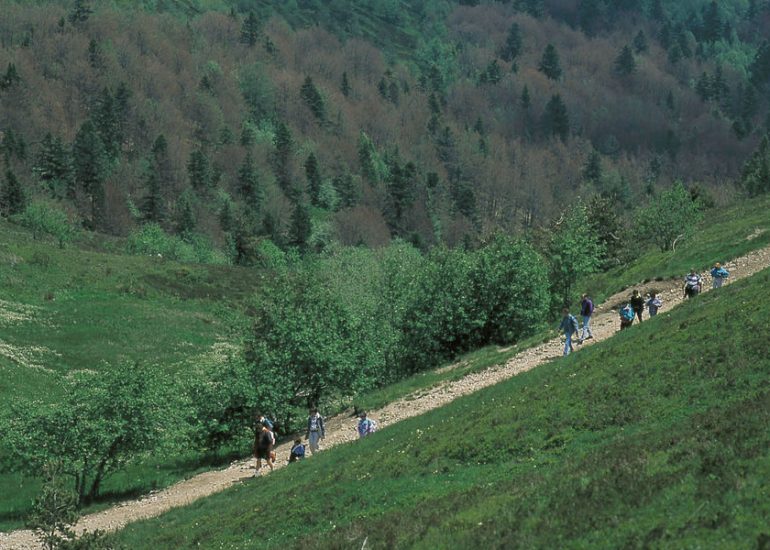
703 87
592 170
556 118
107 123
95 55
199 171
345 85
367 159
511 50
625 64
249 187
526 99
91 163
313 175
284 149
760 67
12 198
54 166
250 30
345 186
185 218
756 172
152 206
713 25
301 227
10 78
720 90
401 193
549 64
80 12
640 43
657 12
313 99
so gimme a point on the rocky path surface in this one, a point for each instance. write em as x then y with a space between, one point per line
341 429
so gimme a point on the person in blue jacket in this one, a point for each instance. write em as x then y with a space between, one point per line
718 275
570 327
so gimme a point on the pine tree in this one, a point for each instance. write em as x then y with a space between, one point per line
199 171
345 85
54 166
301 227
105 117
313 175
625 64
657 12
185 218
760 67
555 118
95 55
703 87
666 35
91 162
401 193
640 43
345 186
713 25
10 78
249 187
313 99
284 149
368 159
492 73
80 13
592 170
756 172
12 198
250 30
549 64
152 207
511 50
526 99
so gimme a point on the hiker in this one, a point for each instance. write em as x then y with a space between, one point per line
626 316
654 304
718 275
263 446
586 310
315 430
692 284
570 326
637 304
366 426
265 421
297 451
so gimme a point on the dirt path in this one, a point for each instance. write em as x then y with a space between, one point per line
341 429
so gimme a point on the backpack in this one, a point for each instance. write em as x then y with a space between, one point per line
366 427
299 451
574 323
265 439
371 427
627 314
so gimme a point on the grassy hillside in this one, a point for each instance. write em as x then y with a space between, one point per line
657 437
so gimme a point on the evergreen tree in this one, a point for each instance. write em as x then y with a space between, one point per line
199 171
549 64
511 50
185 218
703 87
313 99
12 198
491 74
105 117
640 43
760 67
13 145
345 85
555 118
10 78
80 13
54 166
250 30
91 164
713 25
657 12
526 99
625 64
592 170
249 187
284 149
666 35
401 186
313 175
95 55
301 227
720 90
368 159
345 186
152 207
681 40
756 173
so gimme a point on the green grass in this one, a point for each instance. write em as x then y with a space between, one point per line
655 438
725 234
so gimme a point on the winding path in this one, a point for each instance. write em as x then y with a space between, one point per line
341 429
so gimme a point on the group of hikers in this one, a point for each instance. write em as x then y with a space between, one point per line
264 440
634 308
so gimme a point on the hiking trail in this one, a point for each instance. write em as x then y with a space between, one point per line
341 428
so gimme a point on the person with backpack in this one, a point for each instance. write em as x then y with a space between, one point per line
626 316
654 304
315 430
692 284
297 451
570 327
366 426
718 275
586 310
263 446
637 304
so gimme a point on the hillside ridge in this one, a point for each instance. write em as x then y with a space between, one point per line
340 429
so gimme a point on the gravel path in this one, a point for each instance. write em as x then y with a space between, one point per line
341 429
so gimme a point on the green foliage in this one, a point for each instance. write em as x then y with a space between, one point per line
625 64
550 65
313 99
555 119
756 172
12 196
46 219
91 166
152 240
54 166
670 218
574 251
250 30
103 422
511 50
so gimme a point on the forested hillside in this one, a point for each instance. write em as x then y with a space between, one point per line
241 125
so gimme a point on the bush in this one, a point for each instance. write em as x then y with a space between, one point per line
45 219
669 218
152 240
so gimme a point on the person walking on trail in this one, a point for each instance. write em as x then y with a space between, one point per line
366 426
297 451
586 310
637 304
718 275
626 316
263 447
570 327
315 430
654 304
692 284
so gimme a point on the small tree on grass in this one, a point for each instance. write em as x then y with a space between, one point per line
44 219
575 251
668 219
103 422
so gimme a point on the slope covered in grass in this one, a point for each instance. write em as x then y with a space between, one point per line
657 437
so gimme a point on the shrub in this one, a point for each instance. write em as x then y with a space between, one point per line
150 239
669 218
45 219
